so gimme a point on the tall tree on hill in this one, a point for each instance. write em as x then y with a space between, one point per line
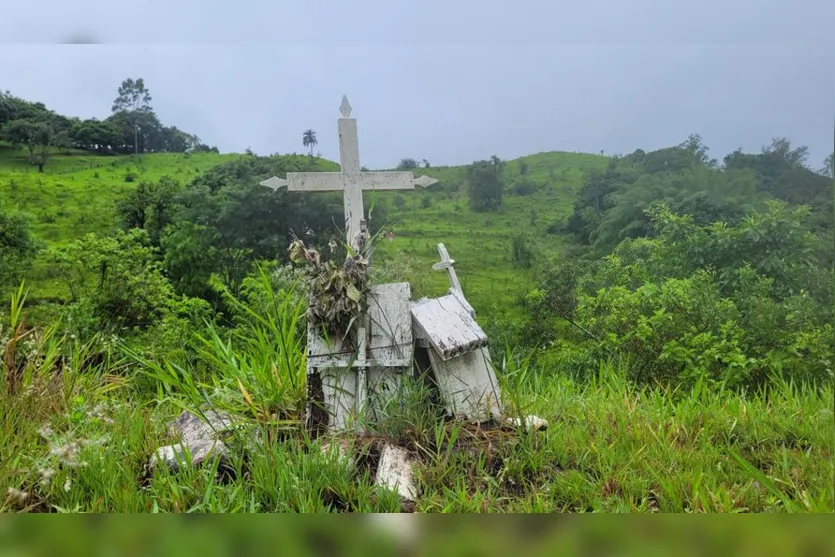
498 165
829 166
484 186
782 148
407 164
37 136
309 140
134 99
696 147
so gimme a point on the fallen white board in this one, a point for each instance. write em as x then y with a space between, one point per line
467 385
448 326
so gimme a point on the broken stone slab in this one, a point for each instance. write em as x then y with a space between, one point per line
202 451
395 472
533 423
192 428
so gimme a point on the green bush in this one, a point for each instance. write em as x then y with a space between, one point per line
522 253
17 247
734 305
115 283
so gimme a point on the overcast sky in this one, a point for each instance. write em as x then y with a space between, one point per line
447 81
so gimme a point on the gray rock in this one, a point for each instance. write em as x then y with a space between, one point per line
202 452
190 428
200 436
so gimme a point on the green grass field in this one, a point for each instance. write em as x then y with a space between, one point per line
480 243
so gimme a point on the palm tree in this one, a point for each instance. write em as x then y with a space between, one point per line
498 164
309 140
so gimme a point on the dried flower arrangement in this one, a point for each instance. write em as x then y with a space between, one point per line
338 295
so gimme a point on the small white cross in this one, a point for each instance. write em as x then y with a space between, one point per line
446 263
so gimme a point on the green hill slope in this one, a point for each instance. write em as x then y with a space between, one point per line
482 243
77 194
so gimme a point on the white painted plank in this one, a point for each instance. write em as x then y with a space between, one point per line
389 311
395 472
336 181
391 342
322 353
314 181
448 264
448 326
349 383
468 385
340 389
385 386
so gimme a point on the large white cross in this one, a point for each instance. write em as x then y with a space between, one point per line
351 180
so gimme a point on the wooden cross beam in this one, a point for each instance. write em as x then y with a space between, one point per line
350 180
447 264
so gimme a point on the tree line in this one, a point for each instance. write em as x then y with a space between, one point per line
132 127
693 272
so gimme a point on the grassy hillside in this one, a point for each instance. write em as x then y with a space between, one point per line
481 243
77 194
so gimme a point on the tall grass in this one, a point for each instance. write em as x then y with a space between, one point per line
76 432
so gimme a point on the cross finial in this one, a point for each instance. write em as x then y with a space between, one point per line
345 107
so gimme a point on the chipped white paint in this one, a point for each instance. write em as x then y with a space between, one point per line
391 324
390 354
457 349
467 385
459 358
448 326
350 180
395 472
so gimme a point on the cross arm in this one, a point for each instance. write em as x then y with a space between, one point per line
334 181
403 180
306 181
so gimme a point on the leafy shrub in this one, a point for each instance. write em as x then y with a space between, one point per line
734 305
17 247
522 253
115 282
524 187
